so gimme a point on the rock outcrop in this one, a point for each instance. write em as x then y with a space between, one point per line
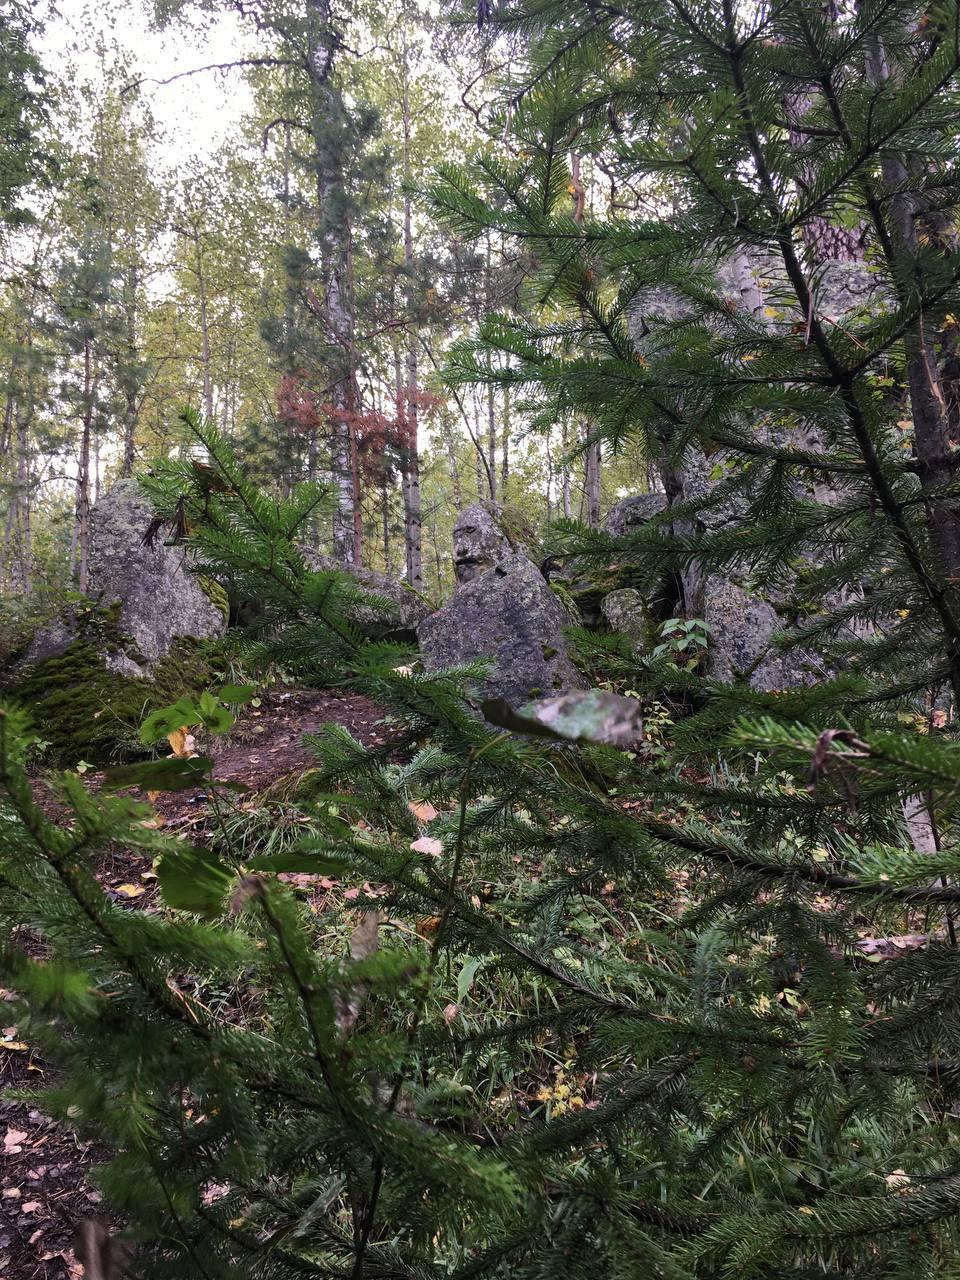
630 513
404 608
508 614
628 613
742 626
145 597
744 622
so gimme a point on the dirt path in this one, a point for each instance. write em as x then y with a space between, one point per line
44 1192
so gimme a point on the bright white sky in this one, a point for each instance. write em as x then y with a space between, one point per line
195 114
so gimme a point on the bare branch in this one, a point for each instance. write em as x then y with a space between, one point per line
214 66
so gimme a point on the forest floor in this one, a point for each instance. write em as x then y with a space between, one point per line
45 1194
45 1190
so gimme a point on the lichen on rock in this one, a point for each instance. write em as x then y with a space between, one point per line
487 533
147 591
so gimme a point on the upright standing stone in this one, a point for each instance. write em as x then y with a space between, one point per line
510 615
146 592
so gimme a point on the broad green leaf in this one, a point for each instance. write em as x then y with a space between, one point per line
182 714
173 773
467 975
215 717
237 694
304 861
193 879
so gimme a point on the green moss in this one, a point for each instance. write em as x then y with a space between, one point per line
216 594
87 712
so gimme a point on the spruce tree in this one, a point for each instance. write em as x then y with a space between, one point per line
607 1010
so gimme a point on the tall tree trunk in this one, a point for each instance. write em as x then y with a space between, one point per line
505 446
565 477
200 273
385 521
83 473
928 396
453 466
25 502
327 125
410 458
591 484
491 402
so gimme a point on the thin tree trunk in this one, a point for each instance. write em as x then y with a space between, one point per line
928 399
592 485
505 446
327 117
549 455
83 473
410 459
26 503
454 468
385 519
565 476
204 324
491 403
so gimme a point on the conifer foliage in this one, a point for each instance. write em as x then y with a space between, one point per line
601 1010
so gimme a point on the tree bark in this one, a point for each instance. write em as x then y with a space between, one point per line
83 473
591 484
491 403
327 123
410 456
928 397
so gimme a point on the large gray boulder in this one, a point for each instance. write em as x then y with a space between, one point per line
403 608
630 513
485 534
508 614
742 630
145 594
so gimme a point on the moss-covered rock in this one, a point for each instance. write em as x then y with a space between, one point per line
88 712
216 594
144 589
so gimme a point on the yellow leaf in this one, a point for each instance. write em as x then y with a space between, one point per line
428 926
15 1046
182 743
130 890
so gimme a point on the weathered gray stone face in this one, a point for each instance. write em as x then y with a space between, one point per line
627 612
508 614
406 609
484 535
630 513
150 594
